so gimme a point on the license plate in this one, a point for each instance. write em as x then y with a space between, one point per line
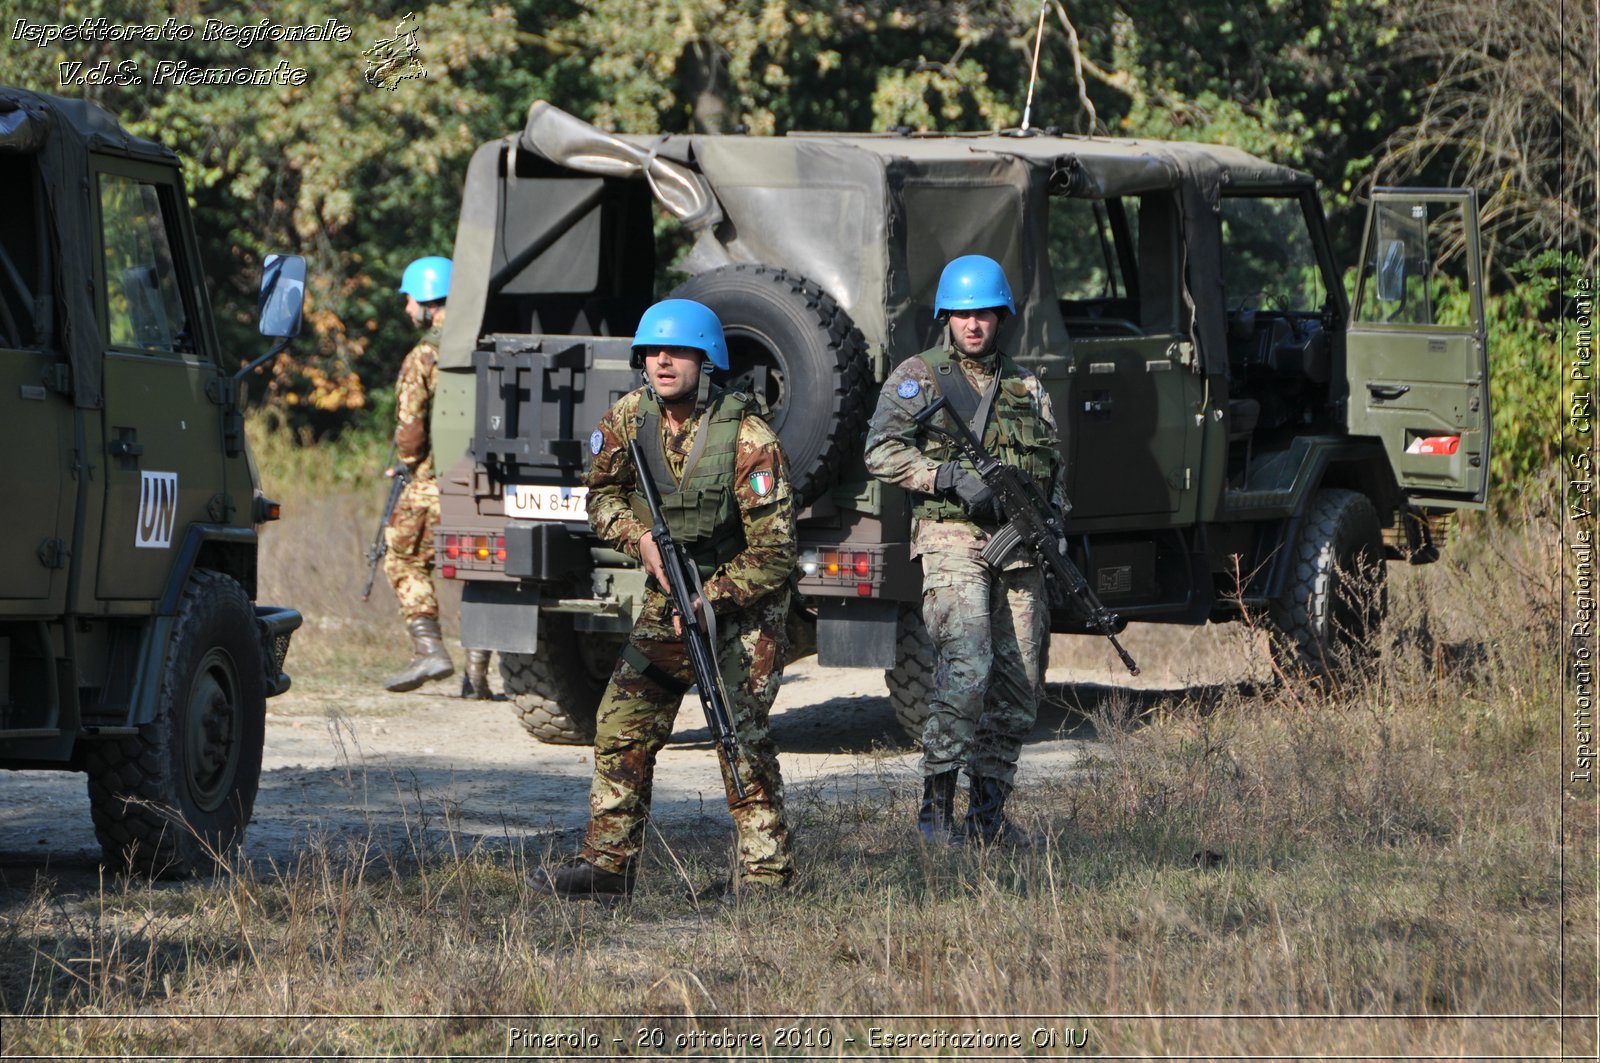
536 502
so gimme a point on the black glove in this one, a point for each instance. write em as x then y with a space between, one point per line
976 497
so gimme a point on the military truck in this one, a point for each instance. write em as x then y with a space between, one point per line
131 647
1241 438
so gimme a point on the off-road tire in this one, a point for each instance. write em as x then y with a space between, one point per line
175 798
818 390
1336 595
911 679
557 690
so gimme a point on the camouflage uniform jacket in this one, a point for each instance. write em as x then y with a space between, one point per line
760 487
896 448
413 404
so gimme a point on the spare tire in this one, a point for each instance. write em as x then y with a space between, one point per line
796 350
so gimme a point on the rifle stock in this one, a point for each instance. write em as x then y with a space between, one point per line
1029 521
699 635
380 545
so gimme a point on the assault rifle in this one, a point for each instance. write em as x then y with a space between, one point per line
380 545
1029 520
699 635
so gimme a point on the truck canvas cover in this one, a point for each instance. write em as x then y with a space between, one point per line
833 205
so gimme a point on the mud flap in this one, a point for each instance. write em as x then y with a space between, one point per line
856 633
500 616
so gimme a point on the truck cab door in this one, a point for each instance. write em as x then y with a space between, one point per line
163 414
1417 364
1127 401
37 429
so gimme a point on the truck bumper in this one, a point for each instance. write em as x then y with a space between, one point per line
276 625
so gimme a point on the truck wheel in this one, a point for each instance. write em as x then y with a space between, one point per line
557 690
794 348
911 679
175 798
1336 597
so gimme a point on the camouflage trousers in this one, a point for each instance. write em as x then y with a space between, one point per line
409 560
635 719
991 630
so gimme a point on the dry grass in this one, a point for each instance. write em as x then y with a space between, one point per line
315 560
1357 871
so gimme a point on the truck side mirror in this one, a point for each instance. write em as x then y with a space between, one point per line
283 293
1392 273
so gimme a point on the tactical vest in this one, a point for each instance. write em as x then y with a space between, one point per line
700 509
1012 429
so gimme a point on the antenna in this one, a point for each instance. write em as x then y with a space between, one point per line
1033 76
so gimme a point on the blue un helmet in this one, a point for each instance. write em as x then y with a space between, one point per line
682 323
973 282
427 279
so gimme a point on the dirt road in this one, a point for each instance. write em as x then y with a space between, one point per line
347 761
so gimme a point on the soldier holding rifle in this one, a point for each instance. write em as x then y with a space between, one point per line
410 520
723 490
988 616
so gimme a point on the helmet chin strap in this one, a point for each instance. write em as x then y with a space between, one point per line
702 392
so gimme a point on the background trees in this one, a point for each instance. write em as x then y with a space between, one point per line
1499 94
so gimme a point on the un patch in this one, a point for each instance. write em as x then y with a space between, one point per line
908 389
595 441
761 483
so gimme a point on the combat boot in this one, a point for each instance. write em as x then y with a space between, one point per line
429 658
986 822
737 888
579 880
475 681
936 819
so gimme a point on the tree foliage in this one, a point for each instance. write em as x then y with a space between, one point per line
1511 109
362 179
356 178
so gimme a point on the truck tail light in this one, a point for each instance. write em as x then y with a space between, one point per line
472 552
843 569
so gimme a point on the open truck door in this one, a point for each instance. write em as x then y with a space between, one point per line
1417 363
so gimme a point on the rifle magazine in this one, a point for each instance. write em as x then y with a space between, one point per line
1000 546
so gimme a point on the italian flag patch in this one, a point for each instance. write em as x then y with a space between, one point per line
761 483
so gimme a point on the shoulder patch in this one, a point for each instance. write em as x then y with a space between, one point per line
596 441
761 482
908 389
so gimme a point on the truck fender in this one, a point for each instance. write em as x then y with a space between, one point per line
226 548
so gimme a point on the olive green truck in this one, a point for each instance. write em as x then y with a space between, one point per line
131 646
1242 438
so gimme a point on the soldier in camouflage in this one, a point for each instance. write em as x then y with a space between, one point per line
725 493
408 561
989 623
